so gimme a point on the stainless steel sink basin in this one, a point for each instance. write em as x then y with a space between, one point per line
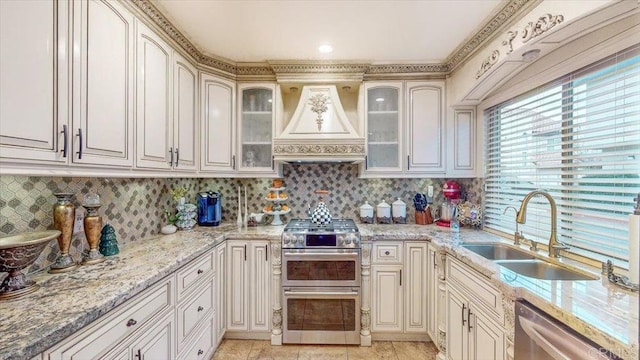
541 269
498 251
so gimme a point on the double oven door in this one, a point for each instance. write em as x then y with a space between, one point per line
321 296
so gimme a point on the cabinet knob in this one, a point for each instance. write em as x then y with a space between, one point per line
200 308
386 252
200 271
200 352
131 322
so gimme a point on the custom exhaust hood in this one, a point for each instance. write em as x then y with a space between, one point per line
319 127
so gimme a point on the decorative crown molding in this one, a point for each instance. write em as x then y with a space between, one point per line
464 51
456 58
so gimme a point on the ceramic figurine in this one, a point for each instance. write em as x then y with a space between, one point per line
108 241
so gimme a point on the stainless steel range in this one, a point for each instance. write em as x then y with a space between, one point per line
321 282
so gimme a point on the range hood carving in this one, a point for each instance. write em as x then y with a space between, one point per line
314 135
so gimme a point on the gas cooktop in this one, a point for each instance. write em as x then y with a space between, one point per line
302 233
336 226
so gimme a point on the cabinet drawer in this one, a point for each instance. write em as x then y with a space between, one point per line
387 253
193 310
203 346
191 274
479 290
104 334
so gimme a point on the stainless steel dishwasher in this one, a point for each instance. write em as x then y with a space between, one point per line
538 336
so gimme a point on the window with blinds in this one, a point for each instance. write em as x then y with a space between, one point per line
578 138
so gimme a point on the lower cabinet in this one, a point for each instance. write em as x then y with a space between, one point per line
399 287
175 318
220 325
432 292
474 318
248 289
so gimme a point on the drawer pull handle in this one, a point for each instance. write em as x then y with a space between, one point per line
200 271
200 308
200 352
386 252
131 322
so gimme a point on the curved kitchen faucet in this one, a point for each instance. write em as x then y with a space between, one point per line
554 245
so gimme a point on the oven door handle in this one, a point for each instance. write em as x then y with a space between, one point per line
319 293
324 253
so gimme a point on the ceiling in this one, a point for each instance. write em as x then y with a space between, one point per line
378 31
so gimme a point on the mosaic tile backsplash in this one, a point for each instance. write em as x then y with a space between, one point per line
134 207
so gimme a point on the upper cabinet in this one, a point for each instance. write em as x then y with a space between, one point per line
256 123
383 124
185 114
103 84
405 127
217 124
34 123
425 127
462 140
154 121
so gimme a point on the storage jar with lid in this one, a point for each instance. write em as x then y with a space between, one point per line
366 213
399 210
383 213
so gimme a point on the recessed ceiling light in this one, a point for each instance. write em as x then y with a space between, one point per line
325 49
380 99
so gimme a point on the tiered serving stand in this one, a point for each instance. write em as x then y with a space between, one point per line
277 200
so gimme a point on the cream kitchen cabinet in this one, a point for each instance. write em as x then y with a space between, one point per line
185 115
34 112
383 127
405 128
217 125
474 316
143 323
256 128
399 287
248 289
425 126
103 84
220 326
432 292
154 119
462 143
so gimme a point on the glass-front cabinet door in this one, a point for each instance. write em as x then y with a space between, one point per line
383 127
256 126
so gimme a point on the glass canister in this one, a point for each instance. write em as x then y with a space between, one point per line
399 211
383 213
366 213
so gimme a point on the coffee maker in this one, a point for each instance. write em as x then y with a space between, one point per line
209 208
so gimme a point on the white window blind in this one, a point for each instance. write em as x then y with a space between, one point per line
577 138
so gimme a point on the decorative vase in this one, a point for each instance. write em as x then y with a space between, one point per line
168 229
187 216
64 216
92 228
108 241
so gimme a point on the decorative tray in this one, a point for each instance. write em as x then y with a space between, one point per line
469 214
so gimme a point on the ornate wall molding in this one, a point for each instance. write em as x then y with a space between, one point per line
465 51
303 149
408 68
457 57
541 26
488 63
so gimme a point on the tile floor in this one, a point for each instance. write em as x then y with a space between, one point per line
256 349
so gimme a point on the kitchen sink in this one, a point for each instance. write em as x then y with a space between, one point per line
498 251
540 269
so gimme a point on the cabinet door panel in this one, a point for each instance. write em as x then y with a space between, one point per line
457 338
387 298
260 304
256 121
184 113
237 286
487 342
425 127
157 342
103 79
154 130
217 124
384 106
31 69
461 143
220 291
415 310
432 294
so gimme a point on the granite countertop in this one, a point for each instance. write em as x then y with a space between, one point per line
67 302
